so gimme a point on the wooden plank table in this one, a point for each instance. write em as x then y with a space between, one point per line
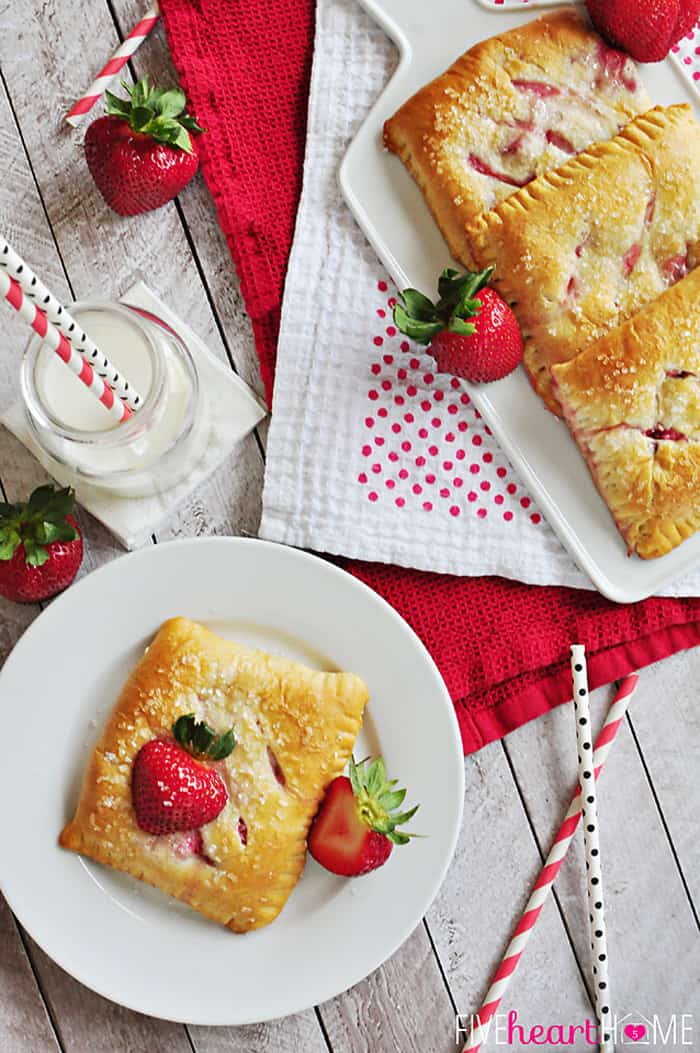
515 790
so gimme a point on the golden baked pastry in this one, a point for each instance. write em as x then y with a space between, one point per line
295 729
632 401
584 247
508 110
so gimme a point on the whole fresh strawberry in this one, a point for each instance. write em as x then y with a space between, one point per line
142 153
171 788
355 828
646 30
472 332
41 546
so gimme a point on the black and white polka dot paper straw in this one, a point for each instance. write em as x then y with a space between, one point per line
35 290
591 840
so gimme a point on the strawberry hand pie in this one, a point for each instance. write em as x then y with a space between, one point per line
632 402
210 770
508 110
582 248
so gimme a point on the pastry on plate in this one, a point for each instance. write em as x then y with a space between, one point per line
219 817
584 247
509 109
632 401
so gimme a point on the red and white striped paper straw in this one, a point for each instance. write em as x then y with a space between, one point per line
11 291
113 68
80 341
543 885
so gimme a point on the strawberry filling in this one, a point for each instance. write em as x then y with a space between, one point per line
484 169
537 87
659 432
573 288
649 212
190 843
630 259
675 268
514 147
276 767
242 831
560 141
523 124
614 67
678 374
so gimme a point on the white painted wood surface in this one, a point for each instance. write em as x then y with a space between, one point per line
516 792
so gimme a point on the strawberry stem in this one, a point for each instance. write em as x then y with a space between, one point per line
377 799
156 112
422 320
201 740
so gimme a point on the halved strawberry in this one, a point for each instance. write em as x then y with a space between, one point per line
355 828
472 332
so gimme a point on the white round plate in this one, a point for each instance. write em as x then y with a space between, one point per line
132 943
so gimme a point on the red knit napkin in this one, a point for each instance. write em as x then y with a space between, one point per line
501 646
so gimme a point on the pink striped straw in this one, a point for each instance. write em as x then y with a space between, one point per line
115 65
543 885
60 317
11 291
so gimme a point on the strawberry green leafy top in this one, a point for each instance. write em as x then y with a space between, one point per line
376 800
36 524
422 320
156 112
202 741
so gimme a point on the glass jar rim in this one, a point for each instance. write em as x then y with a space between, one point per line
153 329
106 438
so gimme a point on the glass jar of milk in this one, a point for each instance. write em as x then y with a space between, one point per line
158 445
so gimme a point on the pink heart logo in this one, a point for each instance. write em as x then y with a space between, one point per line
636 1032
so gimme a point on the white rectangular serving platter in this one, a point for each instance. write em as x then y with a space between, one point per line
390 210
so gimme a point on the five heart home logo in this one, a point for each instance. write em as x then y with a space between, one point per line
635 1032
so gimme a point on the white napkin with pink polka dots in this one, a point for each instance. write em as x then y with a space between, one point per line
371 454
